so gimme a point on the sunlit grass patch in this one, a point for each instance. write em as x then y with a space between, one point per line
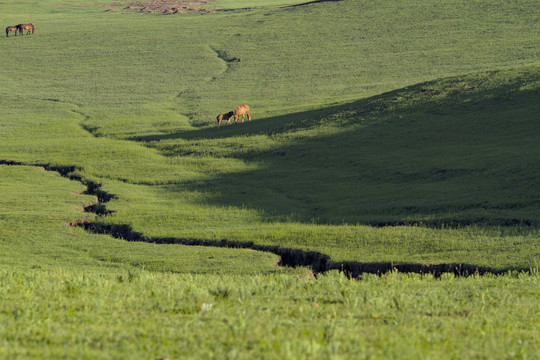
155 315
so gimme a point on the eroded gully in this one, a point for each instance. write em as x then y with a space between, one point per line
317 261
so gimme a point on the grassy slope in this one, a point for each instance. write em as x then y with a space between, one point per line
440 151
237 183
130 79
38 205
114 64
438 166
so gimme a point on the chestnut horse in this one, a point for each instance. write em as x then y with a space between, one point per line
241 110
27 27
226 116
11 28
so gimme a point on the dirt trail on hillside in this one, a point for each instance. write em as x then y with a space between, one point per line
188 6
170 6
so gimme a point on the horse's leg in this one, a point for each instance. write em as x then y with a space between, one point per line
249 116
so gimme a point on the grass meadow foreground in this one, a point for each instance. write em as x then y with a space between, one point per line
140 314
384 134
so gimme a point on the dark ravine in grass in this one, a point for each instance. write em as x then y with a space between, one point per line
456 223
311 3
68 172
318 262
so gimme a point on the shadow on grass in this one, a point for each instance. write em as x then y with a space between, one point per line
317 261
453 152
447 96
270 125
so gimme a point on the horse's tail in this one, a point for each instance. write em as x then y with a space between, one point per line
32 28
7 31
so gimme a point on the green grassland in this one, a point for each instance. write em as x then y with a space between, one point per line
382 132
132 314
39 205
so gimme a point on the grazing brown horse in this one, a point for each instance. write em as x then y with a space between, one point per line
27 27
241 110
11 28
226 117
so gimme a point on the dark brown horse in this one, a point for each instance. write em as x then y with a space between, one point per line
11 28
241 110
226 117
27 27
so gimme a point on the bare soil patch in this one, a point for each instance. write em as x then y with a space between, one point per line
170 6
